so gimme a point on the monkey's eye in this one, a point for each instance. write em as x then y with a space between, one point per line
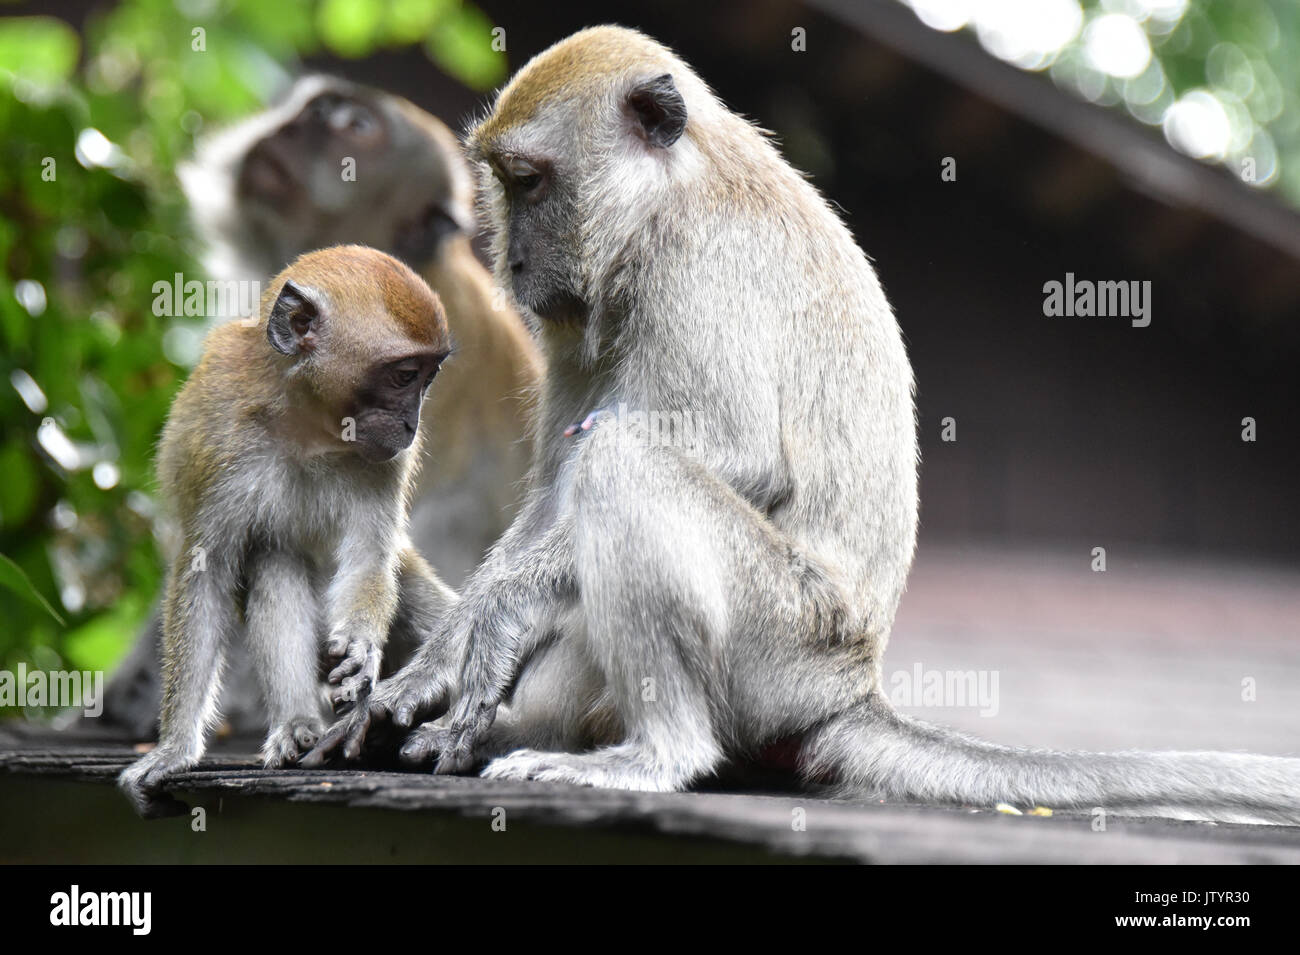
322 107
523 175
356 122
404 377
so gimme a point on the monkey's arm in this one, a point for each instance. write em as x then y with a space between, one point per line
479 642
513 604
362 601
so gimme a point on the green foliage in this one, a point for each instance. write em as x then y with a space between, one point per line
15 581
90 218
1247 55
1220 78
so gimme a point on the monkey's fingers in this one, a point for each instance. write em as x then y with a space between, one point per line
351 664
142 784
350 692
410 697
157 805
348 733
458 756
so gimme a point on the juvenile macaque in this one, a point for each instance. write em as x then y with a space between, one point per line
286 461
662 604
337 163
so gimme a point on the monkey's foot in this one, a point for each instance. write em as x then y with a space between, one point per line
614 767
143 780
290 740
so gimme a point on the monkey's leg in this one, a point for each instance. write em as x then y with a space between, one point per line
281 626
199 616
665 555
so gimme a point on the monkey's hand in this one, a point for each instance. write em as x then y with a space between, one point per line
143 780
458 742
407 694
356 671
489 668
496 632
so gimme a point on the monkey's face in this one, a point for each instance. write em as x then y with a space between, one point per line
542 251
303 162
570 172
386 407
353 165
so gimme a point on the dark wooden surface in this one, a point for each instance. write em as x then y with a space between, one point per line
57 804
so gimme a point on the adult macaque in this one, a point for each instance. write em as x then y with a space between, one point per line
661 604
340 163
287 460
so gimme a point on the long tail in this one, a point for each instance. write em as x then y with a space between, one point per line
870 748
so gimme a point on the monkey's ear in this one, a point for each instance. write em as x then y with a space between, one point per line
292 326
660 110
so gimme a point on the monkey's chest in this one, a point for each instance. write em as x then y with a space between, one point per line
308 511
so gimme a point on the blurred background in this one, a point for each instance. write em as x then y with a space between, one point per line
1136 140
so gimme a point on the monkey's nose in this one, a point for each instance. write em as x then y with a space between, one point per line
517 265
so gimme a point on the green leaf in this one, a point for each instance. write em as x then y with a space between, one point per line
42 50
462 45
14 579
350 27
100 642
410 21
18 480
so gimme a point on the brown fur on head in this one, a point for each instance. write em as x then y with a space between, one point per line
576 65
363 281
